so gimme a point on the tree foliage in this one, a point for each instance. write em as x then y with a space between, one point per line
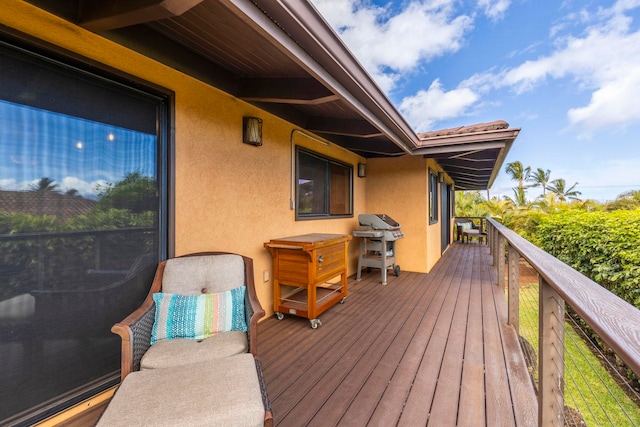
518 172
44 184
600 241
136 193
559 188
540 178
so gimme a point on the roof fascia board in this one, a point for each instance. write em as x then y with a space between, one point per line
473 137
499 161
478 146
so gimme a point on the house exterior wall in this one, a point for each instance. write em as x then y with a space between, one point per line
233 197
399 187
229 196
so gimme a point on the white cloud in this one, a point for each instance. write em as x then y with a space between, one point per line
427 107
388 44
596 51
604 60
12 185
84 188
494 9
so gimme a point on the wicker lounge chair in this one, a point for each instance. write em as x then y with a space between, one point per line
190 380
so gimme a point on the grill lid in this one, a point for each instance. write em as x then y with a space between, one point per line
378 221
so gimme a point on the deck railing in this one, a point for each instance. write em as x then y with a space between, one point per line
615 321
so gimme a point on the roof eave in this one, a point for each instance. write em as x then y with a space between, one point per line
501 139
319 49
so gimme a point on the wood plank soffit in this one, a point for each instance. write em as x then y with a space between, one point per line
286 91
356 128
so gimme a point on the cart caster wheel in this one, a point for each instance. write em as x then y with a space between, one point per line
343 300
396 270
279 315
315 323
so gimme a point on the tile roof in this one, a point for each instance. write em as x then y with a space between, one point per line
479 127
44 203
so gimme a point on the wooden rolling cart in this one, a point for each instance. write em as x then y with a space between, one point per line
302 269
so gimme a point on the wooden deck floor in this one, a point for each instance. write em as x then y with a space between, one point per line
426 349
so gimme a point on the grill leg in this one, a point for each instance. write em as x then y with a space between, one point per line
384 275
362 251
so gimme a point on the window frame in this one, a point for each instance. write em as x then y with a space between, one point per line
433 197
76 65
326 214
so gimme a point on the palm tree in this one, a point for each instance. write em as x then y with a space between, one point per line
548 203
559 188
519 199
44 184
540 178
518 173
498 208
468 203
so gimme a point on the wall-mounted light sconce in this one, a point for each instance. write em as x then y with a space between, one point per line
252 130
440 177
362 170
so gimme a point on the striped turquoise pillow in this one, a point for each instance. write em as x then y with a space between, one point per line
198 316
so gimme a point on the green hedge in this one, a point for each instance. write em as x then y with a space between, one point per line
604 246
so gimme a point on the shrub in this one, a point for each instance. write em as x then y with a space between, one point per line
601 245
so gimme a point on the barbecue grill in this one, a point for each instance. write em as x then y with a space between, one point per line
378 234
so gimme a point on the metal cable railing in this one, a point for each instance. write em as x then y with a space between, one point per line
576 381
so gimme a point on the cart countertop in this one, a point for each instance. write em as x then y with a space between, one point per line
309 240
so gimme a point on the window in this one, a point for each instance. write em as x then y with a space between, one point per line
433 197
452 198
82 225
324 186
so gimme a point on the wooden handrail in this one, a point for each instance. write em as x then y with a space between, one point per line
616 321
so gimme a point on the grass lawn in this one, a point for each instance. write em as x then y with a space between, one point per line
588 386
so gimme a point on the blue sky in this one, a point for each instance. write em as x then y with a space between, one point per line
566 72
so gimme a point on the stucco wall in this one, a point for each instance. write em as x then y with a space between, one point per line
397 187
229 196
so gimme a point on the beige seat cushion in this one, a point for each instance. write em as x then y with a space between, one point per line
181 351
203 274
20 307
224 393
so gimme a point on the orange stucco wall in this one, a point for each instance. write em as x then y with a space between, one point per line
234 197
399 187
229 196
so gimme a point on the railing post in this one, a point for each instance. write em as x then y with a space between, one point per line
501 262
41 267
551 356
514 288
494 246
